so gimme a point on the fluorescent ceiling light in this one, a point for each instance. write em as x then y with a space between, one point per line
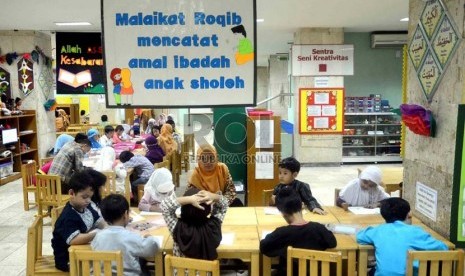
404 19
73 23
260 20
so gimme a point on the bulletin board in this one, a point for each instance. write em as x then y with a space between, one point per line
321 110
457 218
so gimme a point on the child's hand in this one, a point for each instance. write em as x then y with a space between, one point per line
195 201
319 211
207 197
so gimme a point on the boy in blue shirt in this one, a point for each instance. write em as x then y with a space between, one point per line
393 239
288 170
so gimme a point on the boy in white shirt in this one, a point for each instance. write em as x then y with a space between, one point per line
107 139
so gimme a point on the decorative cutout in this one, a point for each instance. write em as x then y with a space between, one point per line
430 17
46 81
418 119
445 41
418 47
429 74
25 76
5 84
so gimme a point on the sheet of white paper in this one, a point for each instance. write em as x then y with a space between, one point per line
227 239
136 217
265 233
314 110
321 122
343 229
271 211
145 213
264 134
364 211
159 240
321 98
264 165
328 110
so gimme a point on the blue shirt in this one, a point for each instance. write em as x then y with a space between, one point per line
392 241
142 166
61 141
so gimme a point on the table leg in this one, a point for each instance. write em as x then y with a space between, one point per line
159 263
266 265
362 262
255 264
351 262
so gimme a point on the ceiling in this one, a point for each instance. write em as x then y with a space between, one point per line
281 18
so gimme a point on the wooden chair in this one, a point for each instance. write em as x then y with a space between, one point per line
189 139
38 264
164 164
28 172
394 187
266 197
336 195
49 193
45 160
55 213
316 259
185 157
82 261
176 167
140 191
192 267
444 263
110 184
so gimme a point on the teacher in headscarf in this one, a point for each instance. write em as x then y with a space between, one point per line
212 175
166 140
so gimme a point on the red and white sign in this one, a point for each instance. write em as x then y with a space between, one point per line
323 60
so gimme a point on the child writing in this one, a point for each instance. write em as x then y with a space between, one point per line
393 239
299 233
77 222
159 186
107 139
195 234
143 168
115 211
288 170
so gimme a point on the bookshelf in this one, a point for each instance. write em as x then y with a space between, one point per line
25 149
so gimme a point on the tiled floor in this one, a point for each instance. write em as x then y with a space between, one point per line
14 220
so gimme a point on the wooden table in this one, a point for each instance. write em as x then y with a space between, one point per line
244 247
240 216
345 244
347 217
278 220
392 175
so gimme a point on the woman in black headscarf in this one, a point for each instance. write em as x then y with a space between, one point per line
195 234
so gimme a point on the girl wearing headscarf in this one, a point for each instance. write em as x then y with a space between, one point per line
107 162
195 234
166 141
212 175
155 152
150 125
93 136
159 186
363 191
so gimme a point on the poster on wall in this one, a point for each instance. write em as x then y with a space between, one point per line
79 63
457 223
323 60
5 84
321 110
165 54
431 16
446 41
417 47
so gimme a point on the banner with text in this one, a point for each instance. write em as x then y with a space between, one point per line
179 53
322 60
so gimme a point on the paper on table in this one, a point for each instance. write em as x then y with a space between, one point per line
228 239
265 233
345 229
272 211
136 217
159 240
364 211
145 213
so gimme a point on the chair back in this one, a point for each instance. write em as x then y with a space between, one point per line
319 261
48 189
192 267
266 197
185 156
389 188
45 160
176 167
81 262
164 164
110 183
336 195
189 140
444 263
56 212
28 172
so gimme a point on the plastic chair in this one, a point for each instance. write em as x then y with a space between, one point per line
192 267
49 193
28 172
444 263
82 261
319 261
38 264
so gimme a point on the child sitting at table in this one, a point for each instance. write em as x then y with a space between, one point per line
197 233
78 221
107 139
288 170
159 186
154 152
115 211
299 233
363 191
93 136
118 135
143 168
393 239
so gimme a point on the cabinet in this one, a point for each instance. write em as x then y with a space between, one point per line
26 148
73 112
371 137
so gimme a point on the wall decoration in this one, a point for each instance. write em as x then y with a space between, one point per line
5 84
433 45
322 60
418 119
457 221
46 81
25 76
321 110
79 63
200 53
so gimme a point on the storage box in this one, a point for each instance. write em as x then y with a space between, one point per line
6 169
